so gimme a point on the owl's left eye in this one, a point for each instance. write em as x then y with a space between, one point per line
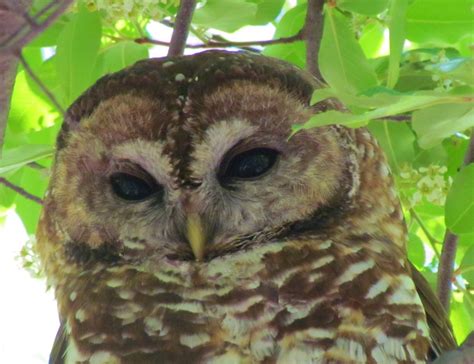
132 188
250 164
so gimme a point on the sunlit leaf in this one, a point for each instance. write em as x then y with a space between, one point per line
433 124
13 159
393 105
372 7
439 20
396 139
416 251
455 148
226 15
371 38
28 111
267 10
467 265
459 208
35 183
78 45
121 55
397 14
290 24
341 59
461 318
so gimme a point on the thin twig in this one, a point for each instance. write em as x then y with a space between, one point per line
226 44
401 118
40 84
448 252
313 33
181 27
21 191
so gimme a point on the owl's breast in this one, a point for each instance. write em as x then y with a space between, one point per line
281 303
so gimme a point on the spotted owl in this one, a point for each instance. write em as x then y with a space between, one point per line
183 225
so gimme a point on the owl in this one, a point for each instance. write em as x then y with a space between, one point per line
183 225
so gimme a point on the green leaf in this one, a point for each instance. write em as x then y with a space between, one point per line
7 195
341 59
466 240
289 25
435 123
439 20
49 37
226 15
392 105
371 39
365 7
416 251
461 317
76 52
47 73
455 148
16 158
396 139
459 209
267 11
121 55
35 183
467 265
412 78
397 14
457 69
36 115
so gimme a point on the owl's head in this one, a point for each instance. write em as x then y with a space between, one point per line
190 158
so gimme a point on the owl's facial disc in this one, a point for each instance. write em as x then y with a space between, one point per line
161 190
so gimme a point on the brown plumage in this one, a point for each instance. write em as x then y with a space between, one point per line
182 225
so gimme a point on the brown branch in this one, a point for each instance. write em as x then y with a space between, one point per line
17 29
313 33
226 44
32 28
181 27
20 191
448 252
40 84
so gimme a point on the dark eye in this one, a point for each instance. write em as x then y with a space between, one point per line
132 188
250 164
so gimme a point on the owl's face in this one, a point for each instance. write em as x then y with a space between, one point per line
196 177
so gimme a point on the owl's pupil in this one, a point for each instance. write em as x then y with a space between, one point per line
251 164
131 188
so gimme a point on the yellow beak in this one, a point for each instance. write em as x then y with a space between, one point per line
195 235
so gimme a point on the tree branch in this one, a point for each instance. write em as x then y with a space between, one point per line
40 84
181 27
226 44
20 191
30 29
17 28
450 244
313 33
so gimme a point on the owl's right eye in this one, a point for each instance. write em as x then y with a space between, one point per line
132 188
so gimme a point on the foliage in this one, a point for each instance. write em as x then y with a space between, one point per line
416 99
